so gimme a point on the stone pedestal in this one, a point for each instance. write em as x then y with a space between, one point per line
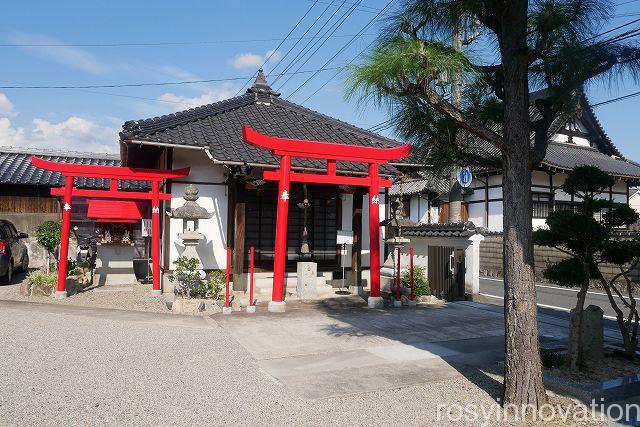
60 294
251 309
276 306
187 306
307 274
375 302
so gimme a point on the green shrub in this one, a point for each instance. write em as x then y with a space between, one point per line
420 283
187 276
42 278
212 286
552 359
48 236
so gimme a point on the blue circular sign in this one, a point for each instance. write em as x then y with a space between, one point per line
464 176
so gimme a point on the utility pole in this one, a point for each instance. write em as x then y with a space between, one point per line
455 192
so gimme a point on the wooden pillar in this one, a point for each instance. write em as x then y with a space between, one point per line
239 282
356 226
61 290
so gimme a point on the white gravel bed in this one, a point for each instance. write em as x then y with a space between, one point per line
135 297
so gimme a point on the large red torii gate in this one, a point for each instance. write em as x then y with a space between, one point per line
331 152
113 174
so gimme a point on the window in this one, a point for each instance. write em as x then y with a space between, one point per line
541 205
565 206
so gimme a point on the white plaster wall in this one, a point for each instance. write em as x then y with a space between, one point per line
476 214
495 216
210 180
634 201
419 210
620 187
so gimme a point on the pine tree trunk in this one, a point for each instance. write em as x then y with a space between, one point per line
523 383
523 369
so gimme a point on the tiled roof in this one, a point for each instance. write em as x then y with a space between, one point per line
419 186
566 156
218 126
16 168
458 229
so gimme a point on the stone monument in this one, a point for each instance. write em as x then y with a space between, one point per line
592 336
306 282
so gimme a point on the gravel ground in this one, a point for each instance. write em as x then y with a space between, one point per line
134 297
73 366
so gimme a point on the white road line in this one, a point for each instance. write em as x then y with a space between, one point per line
550 287
553 307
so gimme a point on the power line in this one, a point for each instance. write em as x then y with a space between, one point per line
149 84
620 98
340 70
280 44
361 8
333 29
309 45
165 43
300 39
342 48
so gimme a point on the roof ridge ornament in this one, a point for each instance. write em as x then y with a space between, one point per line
260 85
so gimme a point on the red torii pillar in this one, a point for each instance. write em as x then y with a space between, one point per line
113 174
331 152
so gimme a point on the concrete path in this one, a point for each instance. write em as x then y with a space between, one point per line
322 351
66 365
331 363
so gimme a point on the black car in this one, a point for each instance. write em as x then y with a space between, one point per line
13 252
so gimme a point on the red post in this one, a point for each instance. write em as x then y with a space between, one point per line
374 230
398 280
282 217
61 291
252 253
155 235
411 272
226 291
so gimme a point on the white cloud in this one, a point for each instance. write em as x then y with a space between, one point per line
74 133
69 56
6 107
212 94
253 60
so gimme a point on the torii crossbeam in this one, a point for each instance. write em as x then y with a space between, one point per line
113 174
331 152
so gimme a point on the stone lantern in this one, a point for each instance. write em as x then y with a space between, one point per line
190 213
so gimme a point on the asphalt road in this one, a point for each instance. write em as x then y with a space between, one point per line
553 297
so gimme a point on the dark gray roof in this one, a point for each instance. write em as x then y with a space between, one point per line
459 229
419 186
16 168
566 156
218 126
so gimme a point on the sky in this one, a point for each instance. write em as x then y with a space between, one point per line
86 43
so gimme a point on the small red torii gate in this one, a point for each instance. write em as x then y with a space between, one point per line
331 152
113 174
